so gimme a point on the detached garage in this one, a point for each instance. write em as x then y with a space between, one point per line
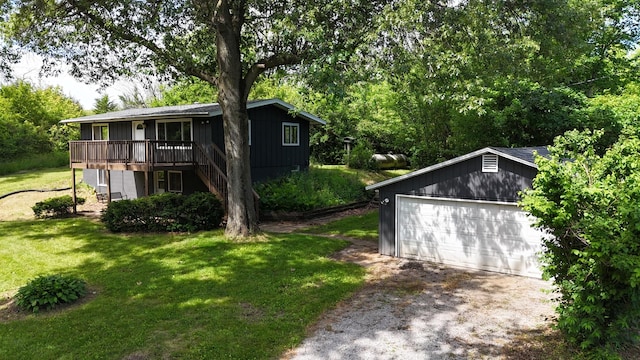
463 212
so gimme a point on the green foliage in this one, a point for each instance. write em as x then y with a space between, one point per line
587 199
186 92
46 292
57 207
104 105
314 189
360 157
29 120
164 212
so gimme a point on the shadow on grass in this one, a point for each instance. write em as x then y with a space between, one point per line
186 296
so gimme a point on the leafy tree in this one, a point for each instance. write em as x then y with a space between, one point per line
184 92
29 120
587 199
466 73
227 44
104 105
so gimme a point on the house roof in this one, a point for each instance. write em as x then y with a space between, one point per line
525 155
187 111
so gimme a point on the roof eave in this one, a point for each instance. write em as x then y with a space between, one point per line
92 120
449 163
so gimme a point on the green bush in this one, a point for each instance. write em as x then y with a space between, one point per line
164 212
45 292
56 207
588 203
361 157
313 189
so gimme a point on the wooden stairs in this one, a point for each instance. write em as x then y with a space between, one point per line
212 171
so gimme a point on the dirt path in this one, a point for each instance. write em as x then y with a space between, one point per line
420 310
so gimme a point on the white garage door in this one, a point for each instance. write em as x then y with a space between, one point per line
474 234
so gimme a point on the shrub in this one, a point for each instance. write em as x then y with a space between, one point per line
589 205
361 157
45 292
164 212
313 189
56 207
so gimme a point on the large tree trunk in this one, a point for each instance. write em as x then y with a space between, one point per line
241 214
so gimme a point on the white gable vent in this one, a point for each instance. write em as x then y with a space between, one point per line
489 163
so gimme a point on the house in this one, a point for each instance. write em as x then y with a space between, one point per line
463 212
138 152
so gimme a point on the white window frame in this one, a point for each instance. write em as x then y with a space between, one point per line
287 142
100 125
156 180
180 120
489 163
249 132
169 187
101 180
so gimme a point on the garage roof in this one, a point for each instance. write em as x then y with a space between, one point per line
183 111
524 155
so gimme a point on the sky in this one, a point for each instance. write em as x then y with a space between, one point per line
28 69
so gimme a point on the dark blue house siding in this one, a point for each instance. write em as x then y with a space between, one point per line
463 180
269 157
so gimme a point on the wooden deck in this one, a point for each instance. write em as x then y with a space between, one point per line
149 155
142 155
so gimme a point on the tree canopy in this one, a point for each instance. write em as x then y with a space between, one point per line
29 120
228 44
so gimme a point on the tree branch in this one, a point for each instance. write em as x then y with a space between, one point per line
265 64
126 35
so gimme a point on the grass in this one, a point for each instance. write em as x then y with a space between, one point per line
18 206
39 179
34 162
168 296
363 227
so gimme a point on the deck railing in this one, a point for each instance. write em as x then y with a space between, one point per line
209 162
152 152
211 169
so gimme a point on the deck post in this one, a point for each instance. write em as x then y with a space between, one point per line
146 183
108 174
73 186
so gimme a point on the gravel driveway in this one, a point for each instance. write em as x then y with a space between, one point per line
420 310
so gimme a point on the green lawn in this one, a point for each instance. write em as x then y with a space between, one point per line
358 227
194 296
37 179
18 206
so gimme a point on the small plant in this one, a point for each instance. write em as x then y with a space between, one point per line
45 292
56 207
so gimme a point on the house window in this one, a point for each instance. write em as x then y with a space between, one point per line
175 130
290 134
159 182
175 181
100 132
102 177
490 163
